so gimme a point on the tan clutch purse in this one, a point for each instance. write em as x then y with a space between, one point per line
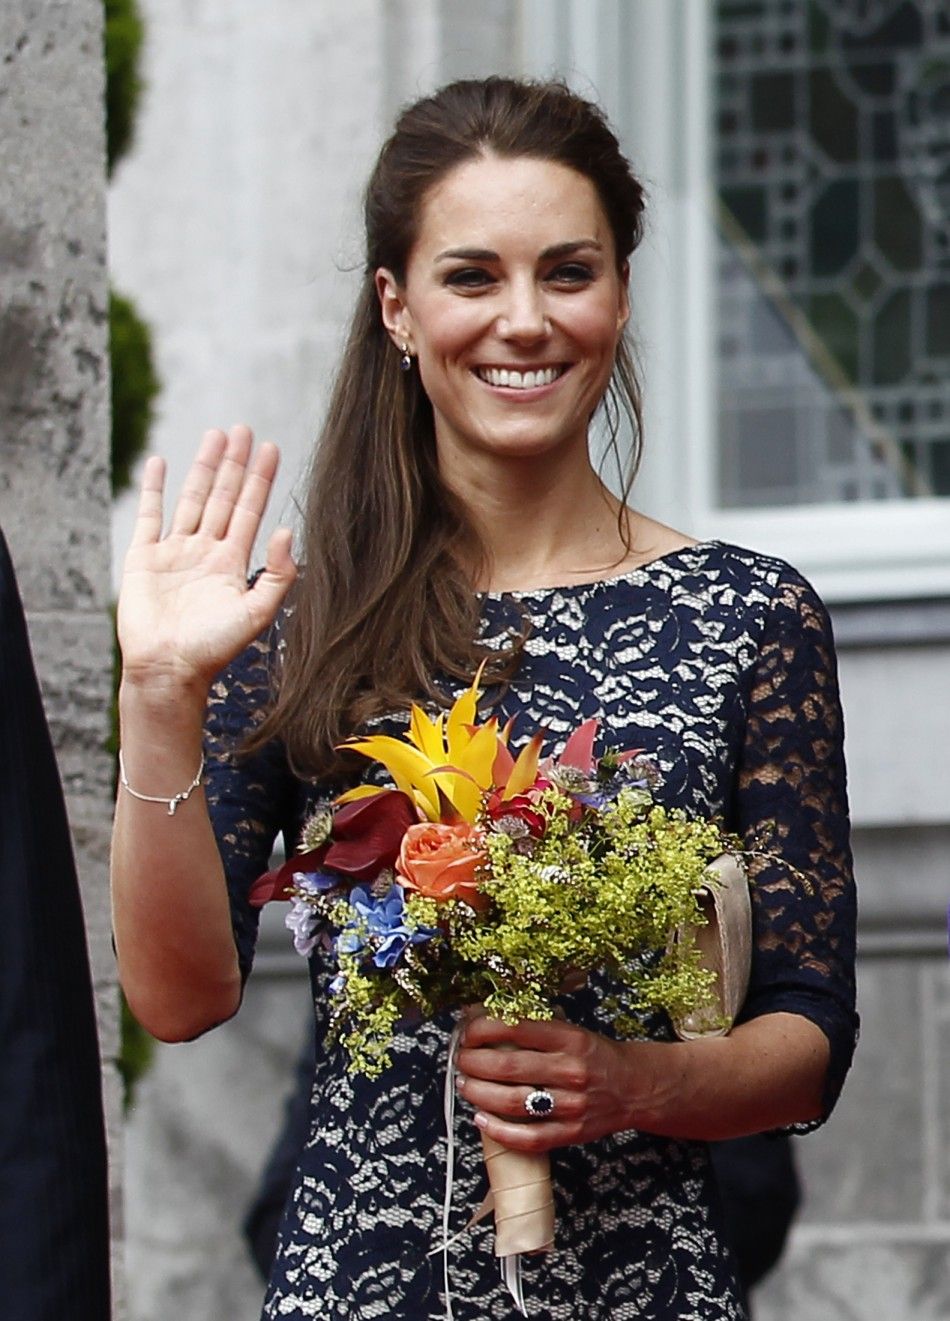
725 946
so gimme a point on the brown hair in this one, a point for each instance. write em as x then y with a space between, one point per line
383 606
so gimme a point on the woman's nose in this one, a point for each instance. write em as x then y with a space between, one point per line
523 316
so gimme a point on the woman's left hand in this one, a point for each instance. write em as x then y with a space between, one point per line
588 1076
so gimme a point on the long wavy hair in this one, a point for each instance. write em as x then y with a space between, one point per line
385 606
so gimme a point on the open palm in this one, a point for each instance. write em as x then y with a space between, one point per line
185 609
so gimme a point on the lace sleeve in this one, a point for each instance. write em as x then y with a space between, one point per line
792 775
250 797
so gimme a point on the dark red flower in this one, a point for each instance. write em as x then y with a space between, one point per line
276 884
367 833
521 807
364 838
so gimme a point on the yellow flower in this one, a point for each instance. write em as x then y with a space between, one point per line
450 760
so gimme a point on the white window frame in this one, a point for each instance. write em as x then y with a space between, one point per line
648 62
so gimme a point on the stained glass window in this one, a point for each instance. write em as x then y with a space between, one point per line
832 132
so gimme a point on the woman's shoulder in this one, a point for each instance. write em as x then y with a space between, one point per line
787 608
706 574
733 565
658 549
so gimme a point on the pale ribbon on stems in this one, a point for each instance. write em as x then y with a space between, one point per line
520 1195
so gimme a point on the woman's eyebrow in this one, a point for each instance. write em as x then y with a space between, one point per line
486 254
568 249
467 254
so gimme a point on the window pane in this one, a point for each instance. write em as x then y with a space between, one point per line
832 131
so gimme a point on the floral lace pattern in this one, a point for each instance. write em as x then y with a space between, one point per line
719 663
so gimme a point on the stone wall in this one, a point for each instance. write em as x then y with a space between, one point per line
54 452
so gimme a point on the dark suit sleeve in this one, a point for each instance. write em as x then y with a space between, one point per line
54 1235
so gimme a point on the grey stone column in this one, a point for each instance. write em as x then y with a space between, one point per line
54 451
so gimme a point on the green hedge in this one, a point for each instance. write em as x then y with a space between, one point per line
134 388
123 41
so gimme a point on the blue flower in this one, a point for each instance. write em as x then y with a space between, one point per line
349 941
379 925
305 924
318 882
303 920
596 801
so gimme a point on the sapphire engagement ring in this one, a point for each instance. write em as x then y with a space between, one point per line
539 1103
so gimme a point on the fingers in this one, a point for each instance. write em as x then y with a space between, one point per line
529 1034
249 503
227 488
279 562
148 520
501 1113
198 483
526 1067
545 1135
496 1083
509 1102
228 483
280 571
554 1055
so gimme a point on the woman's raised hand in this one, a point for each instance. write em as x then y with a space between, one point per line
185 609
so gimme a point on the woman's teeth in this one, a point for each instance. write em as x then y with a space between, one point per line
516 380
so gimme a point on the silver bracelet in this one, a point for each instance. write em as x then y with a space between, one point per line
170 803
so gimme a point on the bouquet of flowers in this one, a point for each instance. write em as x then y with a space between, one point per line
486 878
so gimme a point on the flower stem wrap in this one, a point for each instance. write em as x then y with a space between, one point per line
521 1194
523 1199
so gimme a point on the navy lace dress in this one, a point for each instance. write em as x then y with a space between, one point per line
720 663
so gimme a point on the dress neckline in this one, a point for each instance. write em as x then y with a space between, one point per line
592 584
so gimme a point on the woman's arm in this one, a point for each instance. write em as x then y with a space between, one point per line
171 920
765 1074
184 612
791 782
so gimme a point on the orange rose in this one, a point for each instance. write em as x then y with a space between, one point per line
440 861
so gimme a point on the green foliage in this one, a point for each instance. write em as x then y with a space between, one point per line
370 1022
123 43
597 899
135 1056
134 387
134 382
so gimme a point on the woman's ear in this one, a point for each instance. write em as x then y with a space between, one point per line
393 310
624 309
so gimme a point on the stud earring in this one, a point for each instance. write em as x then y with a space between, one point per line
405 362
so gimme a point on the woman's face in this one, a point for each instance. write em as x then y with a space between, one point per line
512 306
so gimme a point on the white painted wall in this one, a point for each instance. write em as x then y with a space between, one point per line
234 223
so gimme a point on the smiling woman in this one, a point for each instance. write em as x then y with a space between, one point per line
454 521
